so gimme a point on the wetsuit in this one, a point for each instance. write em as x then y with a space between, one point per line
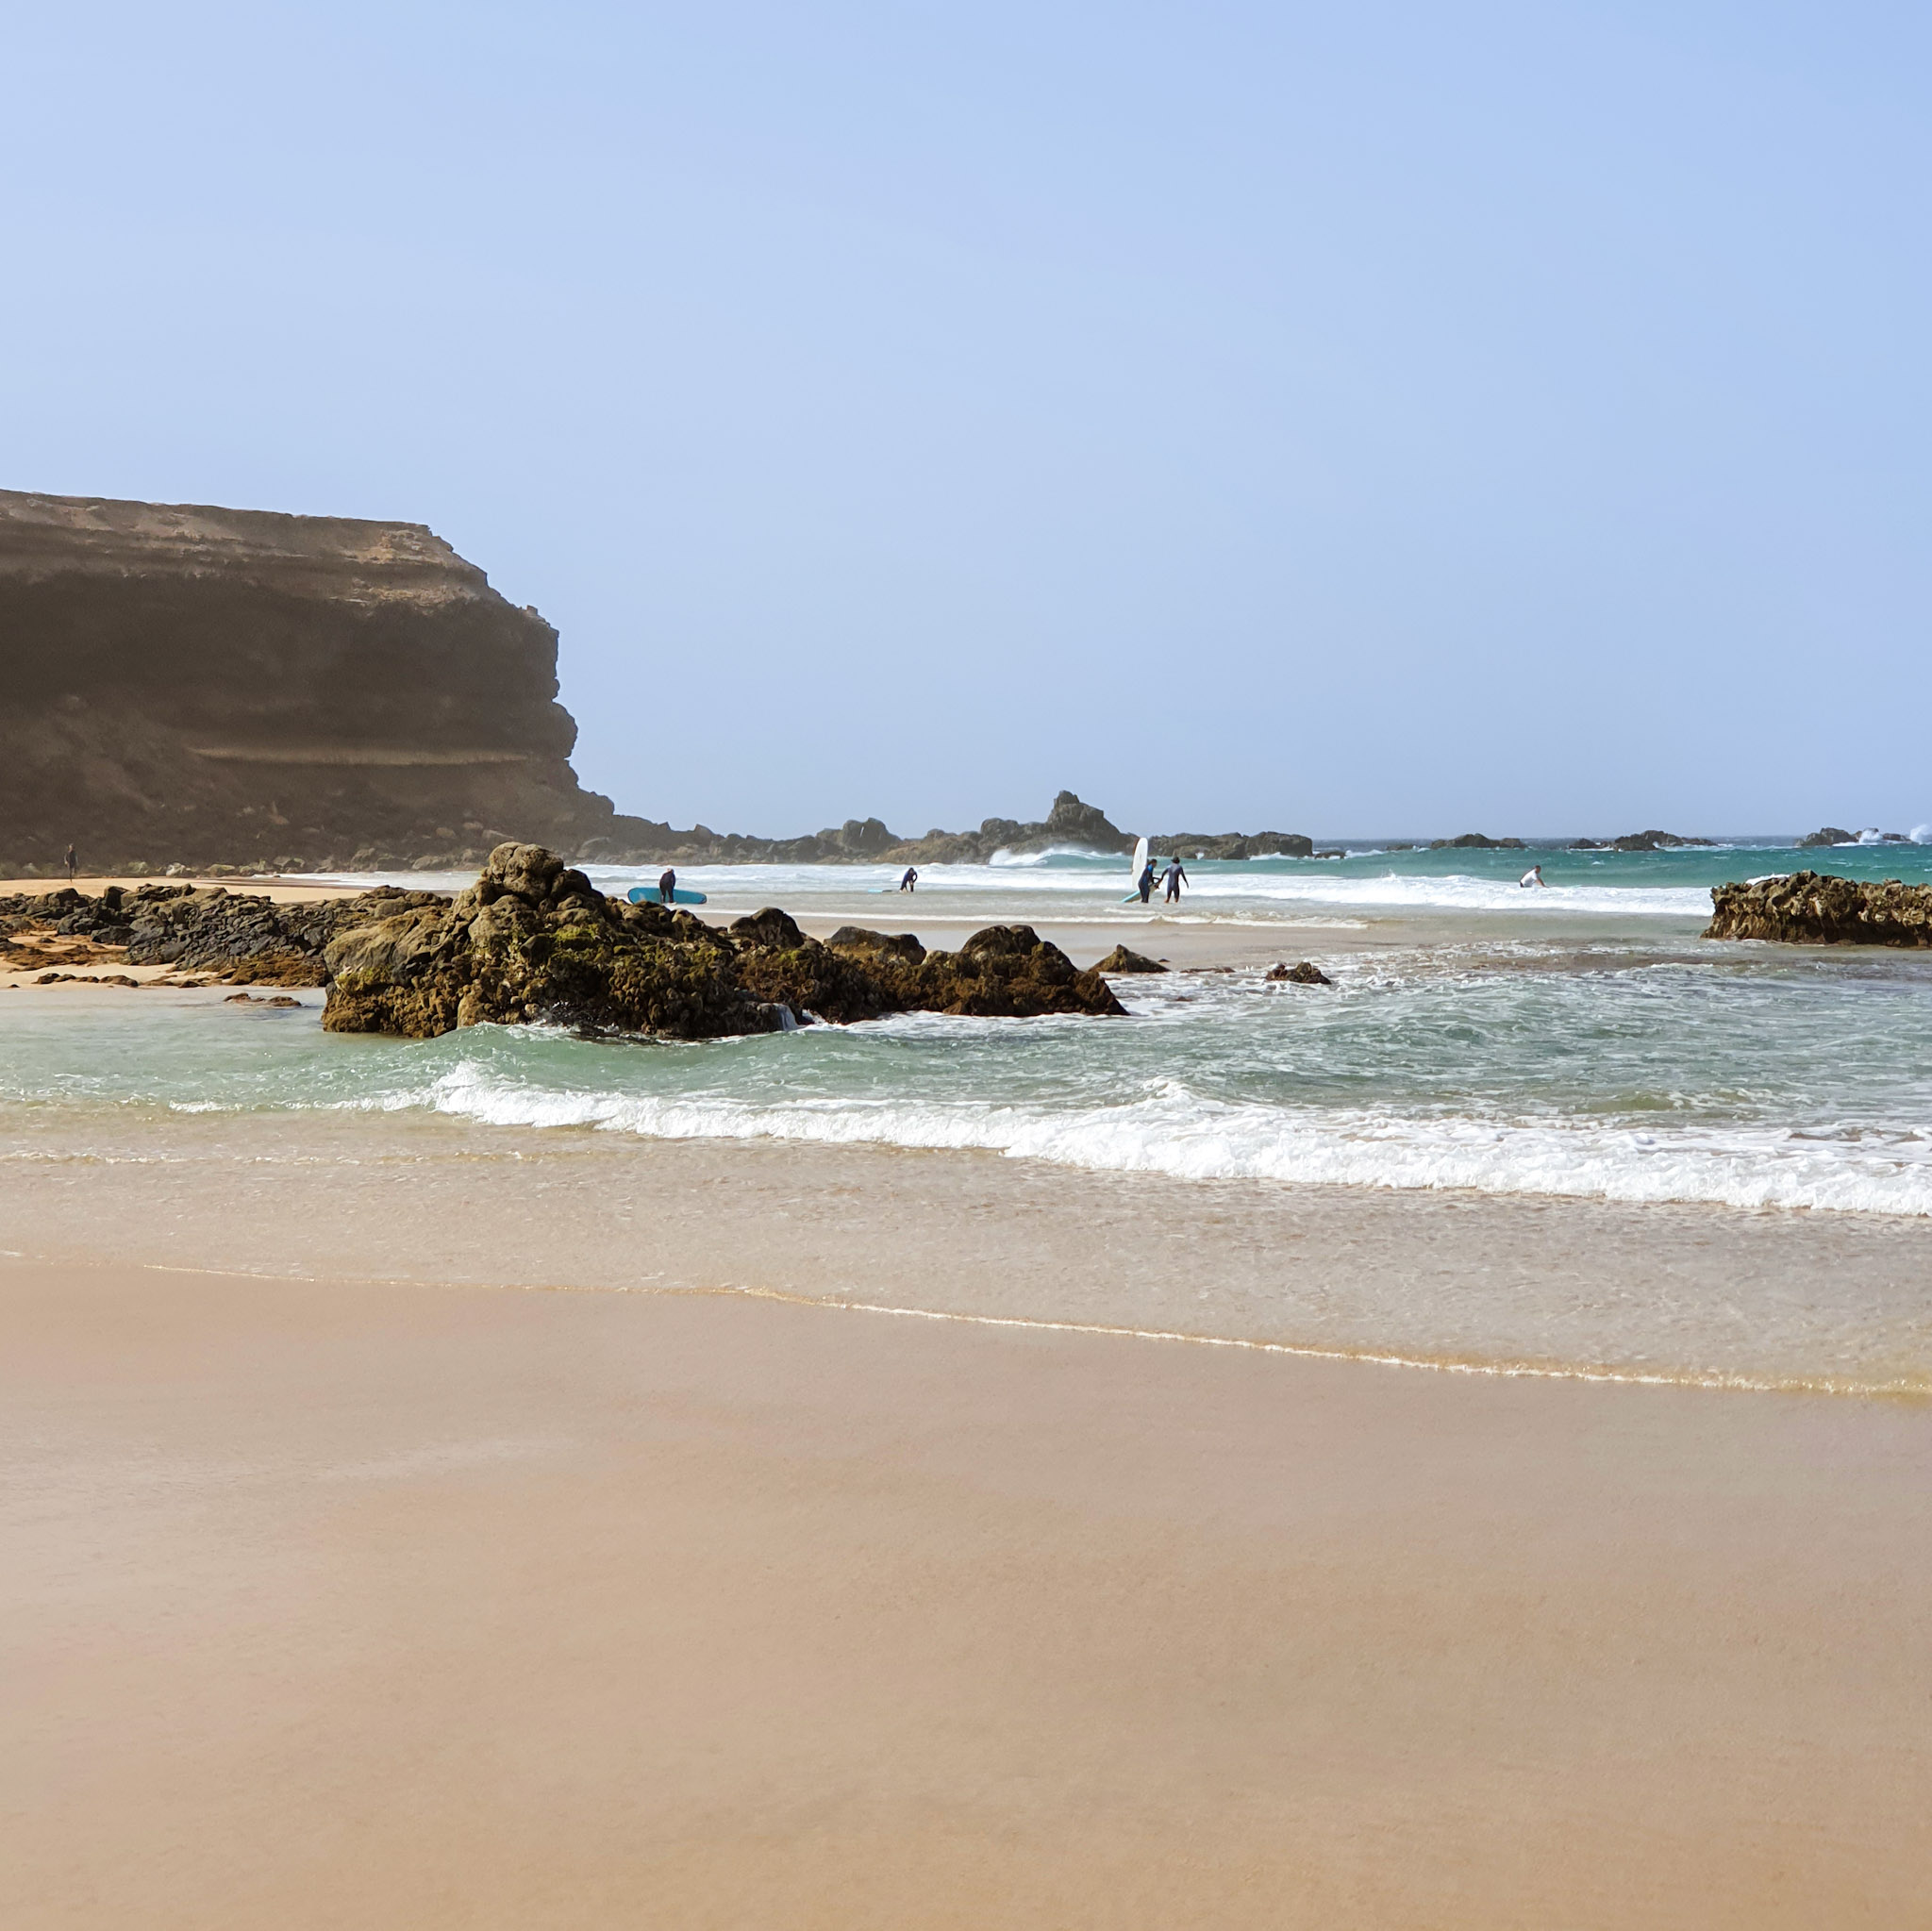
1174 877
1146 885
667 887
911 881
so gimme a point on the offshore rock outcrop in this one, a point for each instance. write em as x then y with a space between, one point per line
532 939
194 685
1820 909
1476 841
1639 841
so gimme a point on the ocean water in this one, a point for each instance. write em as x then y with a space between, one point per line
1581 1041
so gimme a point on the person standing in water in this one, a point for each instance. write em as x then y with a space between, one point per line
1174 878
1145 883
1534 876
72 864
911 881
667 886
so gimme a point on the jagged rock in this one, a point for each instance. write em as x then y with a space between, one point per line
1827 835
1652 841
1476 841
1121 960
1307 973
859 938
1820 909
240 937
532 940
1235 845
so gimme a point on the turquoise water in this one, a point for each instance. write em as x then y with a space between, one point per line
1620 1068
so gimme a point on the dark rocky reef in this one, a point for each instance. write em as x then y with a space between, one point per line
192 685
533 940
237 937
1820 909
1306 973
1235 845
1836 835
1639 841
1476 841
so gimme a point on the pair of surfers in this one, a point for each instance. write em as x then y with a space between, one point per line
1172 879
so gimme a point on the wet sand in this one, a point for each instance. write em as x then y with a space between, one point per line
426 1602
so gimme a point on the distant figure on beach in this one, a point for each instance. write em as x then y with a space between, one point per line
911 881
1145 885
667 886
72 864
1535 877
1174 878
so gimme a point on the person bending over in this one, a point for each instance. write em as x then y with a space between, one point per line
911 881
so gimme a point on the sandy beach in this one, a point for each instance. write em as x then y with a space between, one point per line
418 1590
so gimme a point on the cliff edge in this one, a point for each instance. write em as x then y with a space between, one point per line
196 685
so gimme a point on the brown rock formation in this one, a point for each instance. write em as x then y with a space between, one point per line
200 685
1123 961
1820 909
532 939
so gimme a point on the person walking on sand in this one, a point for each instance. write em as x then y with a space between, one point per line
911 881
72 864
1534 876
667 886
1174 878
1145 886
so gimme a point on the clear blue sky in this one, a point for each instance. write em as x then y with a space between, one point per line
1378 417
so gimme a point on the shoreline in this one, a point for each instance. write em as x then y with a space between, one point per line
1437 1279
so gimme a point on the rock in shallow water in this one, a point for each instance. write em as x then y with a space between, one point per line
532 939
1820 909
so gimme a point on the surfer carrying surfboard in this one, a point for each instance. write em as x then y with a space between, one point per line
1144 884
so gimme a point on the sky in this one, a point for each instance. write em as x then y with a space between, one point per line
1376 419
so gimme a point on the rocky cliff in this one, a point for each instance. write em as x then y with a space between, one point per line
199 685
1818 908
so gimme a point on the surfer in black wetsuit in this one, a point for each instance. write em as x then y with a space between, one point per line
1174 878
1145 887
911 881
667 886
72 864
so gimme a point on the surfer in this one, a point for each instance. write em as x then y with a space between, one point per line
1174 878
72 864
1534 876
911 881
667 886
1144 884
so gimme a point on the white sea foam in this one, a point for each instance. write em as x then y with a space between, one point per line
1174 1133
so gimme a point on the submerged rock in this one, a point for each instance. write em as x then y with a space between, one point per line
1307 973
1121 961
1827 835
1820 909
532 939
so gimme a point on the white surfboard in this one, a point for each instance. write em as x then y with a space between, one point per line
1139 866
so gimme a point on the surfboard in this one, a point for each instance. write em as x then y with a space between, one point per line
650 895
1139 866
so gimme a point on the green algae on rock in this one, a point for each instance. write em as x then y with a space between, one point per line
533 939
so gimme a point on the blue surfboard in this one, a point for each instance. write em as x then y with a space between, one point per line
650 895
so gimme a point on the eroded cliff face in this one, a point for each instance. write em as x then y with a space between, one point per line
181 684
